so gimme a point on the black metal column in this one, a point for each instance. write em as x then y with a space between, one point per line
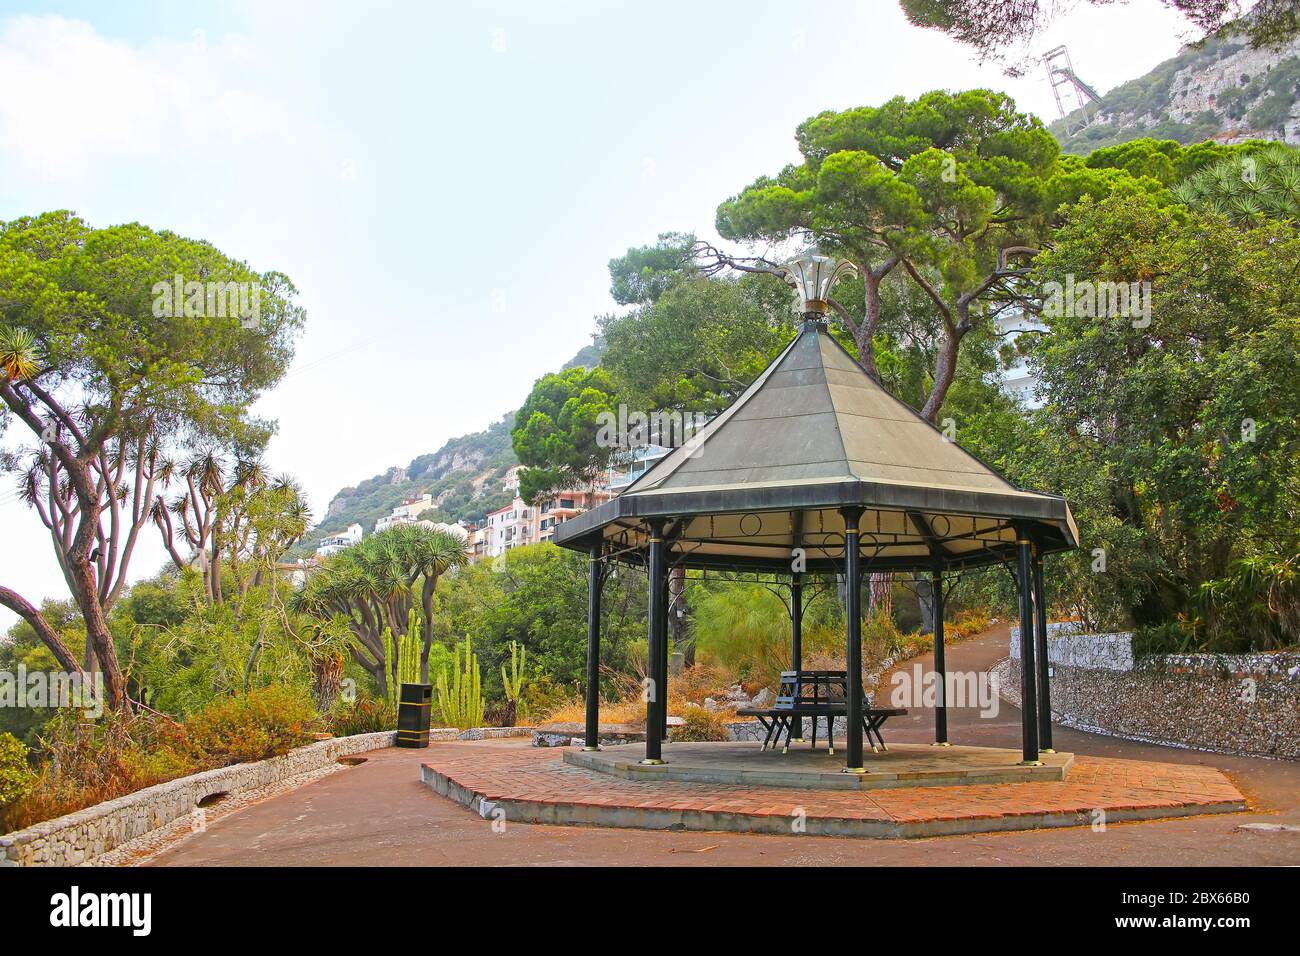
853 615
796 640
656 628
940 669
1040 648
595 579
1028 672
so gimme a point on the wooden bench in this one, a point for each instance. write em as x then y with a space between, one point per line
816 695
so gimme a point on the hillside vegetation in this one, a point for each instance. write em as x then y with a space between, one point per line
1221 88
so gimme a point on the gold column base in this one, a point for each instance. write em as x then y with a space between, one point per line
1030 763
941 743
1049 750
652 763
858 770
799 740
590 749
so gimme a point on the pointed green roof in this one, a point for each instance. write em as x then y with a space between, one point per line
812 434
814 414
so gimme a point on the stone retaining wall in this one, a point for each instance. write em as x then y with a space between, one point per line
1240 704
80 837
1112 652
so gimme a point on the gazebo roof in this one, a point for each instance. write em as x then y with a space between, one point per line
812 434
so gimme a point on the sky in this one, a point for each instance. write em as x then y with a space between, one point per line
445 183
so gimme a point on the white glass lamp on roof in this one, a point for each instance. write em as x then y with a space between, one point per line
813 276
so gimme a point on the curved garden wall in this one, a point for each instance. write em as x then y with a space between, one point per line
1230 703
80 837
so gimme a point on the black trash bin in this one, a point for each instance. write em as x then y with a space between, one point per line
413 708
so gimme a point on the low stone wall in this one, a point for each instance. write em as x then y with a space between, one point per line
1067 648
1240 704
80 837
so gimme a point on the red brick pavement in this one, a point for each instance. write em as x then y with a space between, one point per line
1120 787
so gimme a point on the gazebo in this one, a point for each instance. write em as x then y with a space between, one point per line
817 469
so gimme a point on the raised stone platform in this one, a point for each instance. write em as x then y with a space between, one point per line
903 765
531 785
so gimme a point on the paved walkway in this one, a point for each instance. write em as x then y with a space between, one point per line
537 786
380 813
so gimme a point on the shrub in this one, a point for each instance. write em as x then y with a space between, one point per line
967 624
265 722
16 777
542 696
701 724
87 762
365 715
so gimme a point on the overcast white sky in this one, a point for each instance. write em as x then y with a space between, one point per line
445 183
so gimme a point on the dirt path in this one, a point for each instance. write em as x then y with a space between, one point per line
378 813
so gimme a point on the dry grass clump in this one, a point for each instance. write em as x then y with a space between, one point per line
702 724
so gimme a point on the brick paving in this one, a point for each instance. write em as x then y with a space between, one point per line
381 814
536 785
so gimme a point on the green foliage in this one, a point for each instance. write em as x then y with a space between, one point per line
16 775
85 295
1180 436
537 597
265 722
1165 160
127 380
699 344
214 651
642 275
512 681
513 684
375 585
1280 86
365 715
1248 188
403 655
558 431
940 188
1256 603
23 648
745 627
460 695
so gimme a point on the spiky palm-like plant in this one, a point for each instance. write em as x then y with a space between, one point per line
374 584
1248 190
18 354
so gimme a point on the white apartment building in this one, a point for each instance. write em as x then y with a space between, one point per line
1017 379
337 542
632 466
507 528
405 513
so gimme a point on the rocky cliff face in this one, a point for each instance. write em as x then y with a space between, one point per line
1222 89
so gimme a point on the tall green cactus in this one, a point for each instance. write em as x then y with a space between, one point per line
409 662
402 657
513 681
460 697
